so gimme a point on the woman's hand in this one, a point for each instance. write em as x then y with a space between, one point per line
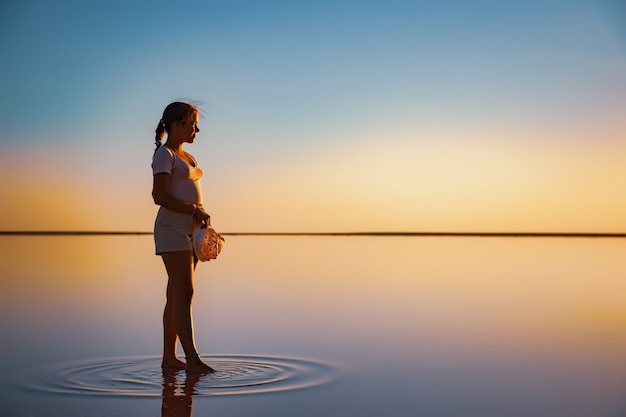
202 215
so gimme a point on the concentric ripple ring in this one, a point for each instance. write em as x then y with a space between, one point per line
143 377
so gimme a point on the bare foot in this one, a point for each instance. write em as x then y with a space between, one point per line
196 366
174 363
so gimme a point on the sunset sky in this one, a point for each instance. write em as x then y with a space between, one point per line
318 116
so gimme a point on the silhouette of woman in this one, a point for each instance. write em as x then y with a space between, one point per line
176 189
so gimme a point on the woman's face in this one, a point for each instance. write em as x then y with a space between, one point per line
190 128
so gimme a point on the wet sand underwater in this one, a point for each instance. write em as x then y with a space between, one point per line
319 325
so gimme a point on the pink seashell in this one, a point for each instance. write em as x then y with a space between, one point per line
207 243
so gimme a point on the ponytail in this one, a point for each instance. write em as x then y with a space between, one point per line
160 131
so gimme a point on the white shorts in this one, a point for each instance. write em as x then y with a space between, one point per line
173 231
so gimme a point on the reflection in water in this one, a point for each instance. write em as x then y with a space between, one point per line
177 397
419 326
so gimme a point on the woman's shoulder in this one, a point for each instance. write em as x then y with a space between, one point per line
163 150
163 153
163 160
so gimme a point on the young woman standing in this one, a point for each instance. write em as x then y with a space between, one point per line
176 189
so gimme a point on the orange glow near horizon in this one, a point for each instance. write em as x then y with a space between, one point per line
383 184
436 186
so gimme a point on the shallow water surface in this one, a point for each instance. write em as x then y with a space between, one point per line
308 326
142 377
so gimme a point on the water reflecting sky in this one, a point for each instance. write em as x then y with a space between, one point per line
411 326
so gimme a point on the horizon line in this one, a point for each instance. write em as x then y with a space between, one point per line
363 233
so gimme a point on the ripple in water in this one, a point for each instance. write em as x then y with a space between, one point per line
142 376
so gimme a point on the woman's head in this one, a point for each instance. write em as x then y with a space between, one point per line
177 111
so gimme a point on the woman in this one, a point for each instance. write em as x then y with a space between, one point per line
176 188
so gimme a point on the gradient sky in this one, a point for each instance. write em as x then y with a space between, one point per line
319 116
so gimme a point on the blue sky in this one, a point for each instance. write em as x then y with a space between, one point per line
283 80
306 65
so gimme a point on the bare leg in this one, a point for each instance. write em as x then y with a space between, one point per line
180 268
170 361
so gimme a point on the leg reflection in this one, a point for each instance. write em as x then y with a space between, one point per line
177 398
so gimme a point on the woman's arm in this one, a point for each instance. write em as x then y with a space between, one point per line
162 197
